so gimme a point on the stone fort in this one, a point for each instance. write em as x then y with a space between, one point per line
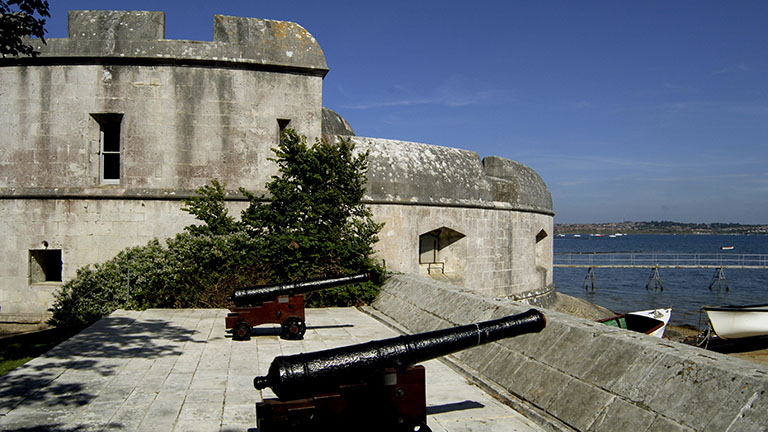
109 129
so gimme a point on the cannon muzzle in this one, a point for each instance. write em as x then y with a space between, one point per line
305 375
261 293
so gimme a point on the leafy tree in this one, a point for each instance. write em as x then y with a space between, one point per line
314 226
20 19
208 207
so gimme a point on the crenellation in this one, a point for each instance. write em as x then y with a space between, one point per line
116 25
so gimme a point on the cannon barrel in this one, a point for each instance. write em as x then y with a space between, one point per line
262 293
304 375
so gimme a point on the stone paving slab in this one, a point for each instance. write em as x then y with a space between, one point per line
178 370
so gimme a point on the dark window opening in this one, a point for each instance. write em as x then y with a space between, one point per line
45 265
282 124
428 248
109 147
541 236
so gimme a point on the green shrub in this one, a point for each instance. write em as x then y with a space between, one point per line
313 226
97 290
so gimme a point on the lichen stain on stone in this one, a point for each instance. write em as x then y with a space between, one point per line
290 34
280 29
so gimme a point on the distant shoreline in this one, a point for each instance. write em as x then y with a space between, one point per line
663 227
588 232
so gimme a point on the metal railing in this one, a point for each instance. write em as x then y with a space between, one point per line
660 260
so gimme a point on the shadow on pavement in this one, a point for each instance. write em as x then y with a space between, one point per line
41 381
276 331
456 406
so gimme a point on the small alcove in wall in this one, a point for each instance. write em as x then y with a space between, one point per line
44 265
543 258
442 251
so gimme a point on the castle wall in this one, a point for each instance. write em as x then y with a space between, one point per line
493 218
188 111
181 126
185 112
85 231
499 256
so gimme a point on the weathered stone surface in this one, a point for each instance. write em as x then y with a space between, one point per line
593 377
517 184
180 128
269 41
578 307
334 125
139 36
115 25
625 417
427 174
418 173
581 403
498 257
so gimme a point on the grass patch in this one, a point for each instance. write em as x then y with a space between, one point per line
19 349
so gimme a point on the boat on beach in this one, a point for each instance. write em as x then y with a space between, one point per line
651 322
733 322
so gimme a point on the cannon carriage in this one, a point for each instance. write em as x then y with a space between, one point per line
277 304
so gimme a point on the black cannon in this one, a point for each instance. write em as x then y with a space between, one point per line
374 385
279 303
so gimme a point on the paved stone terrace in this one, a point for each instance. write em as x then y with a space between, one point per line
178 370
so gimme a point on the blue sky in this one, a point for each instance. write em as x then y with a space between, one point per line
653 110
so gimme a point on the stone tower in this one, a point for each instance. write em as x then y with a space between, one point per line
110 128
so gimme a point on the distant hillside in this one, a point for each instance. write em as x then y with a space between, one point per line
661 227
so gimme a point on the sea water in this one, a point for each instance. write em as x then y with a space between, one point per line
684 290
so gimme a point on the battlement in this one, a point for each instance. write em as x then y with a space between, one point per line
140 36
116 25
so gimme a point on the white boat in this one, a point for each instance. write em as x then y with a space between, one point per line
651 322
662 315
733 322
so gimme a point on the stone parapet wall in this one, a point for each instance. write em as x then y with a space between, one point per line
402 171
415 173
132 36
498 256
335 125
493 217
517 184
584 376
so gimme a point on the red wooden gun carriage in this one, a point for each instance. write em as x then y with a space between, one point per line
277 304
